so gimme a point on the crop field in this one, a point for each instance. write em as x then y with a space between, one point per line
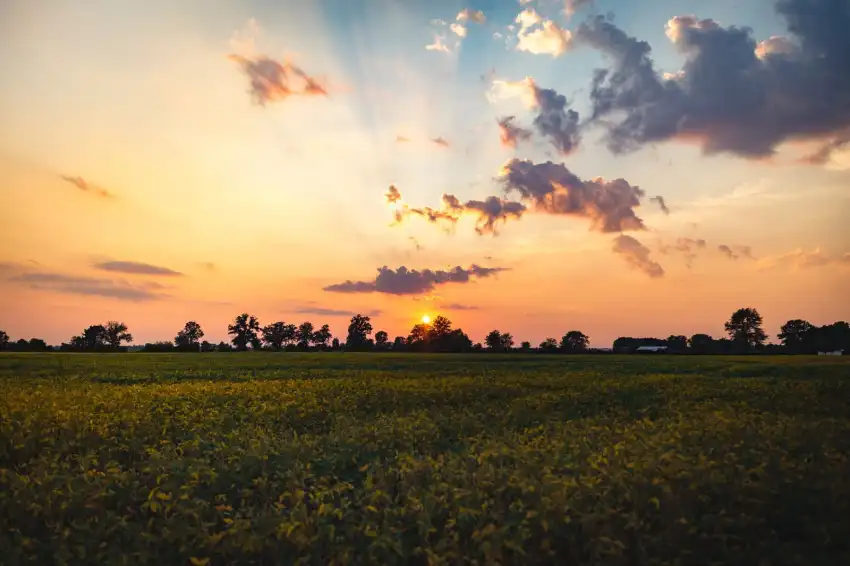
264 458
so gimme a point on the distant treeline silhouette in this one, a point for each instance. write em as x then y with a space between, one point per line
744 328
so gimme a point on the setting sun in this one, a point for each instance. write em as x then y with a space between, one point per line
426 319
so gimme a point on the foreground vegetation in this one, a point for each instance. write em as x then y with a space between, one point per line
336 458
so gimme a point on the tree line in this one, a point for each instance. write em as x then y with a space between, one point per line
744 329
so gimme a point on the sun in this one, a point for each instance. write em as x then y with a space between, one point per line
426 319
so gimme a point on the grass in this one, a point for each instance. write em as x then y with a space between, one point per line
415 459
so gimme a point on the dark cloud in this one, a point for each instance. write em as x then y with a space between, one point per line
136 268
554 189
555 121
733 94
85 186
735 252
661 204
392 195
687 246
488 212
440 142
272 81
404 281
637 255
510 133
458 307
91 286
322 311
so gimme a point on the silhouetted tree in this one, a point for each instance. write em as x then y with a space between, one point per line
224 347
440 327
381 338
418 334
278 334
322 336
207 347
525 346
574 342
744 328
304 335
494 341
798 336
115 333
399 344
677 343
477 347
189 338
507 341
626 345
549 345
158 347
93 338
245 330
335 344
37 345
701 344
4 340
359 330
831 337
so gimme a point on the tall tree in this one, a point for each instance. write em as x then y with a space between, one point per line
304 334
507 341
116 332
399 344
797 336
190 337
701 344
278 334
494 341
677 343
548 345
525 346
359 330
574 341
92 338
4 340
322 336
419 333
744 328
335 344
440 327
381 338
245 330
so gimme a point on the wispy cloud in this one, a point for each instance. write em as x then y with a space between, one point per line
404 281
89 286
87 187
510 133
658 199
637 255
801 259
440 141
136 268
272 81
458 307
736 251
325 311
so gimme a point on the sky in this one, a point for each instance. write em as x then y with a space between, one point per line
172 161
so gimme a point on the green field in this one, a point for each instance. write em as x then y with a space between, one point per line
264 458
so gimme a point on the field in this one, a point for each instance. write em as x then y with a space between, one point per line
415 459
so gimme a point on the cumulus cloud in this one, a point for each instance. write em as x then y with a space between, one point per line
658 199
136 268
510 133
733 95
89 286
87 187
272 81
637 255
554 120
540 36
489 213
552 188
440 141
801 259
735 252
404 281
469 15
458 29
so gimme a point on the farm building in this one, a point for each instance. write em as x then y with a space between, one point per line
832 353
651 349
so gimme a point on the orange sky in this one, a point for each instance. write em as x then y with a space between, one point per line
258 208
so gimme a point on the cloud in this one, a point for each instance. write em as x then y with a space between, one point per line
401 139
687 246
540 36
85 186
488 212
392 195
554 120
136 268
438 45
572 6
440 142
469 15
834 154
90 286
735 252
458 307
801 259
509 133
458 29
661 204
552 188
404 281
208 265
637 255
272 81
733 95
322 311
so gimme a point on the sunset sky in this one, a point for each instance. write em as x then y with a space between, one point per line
169 161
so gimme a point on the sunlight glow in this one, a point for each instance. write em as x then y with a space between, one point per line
426 319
